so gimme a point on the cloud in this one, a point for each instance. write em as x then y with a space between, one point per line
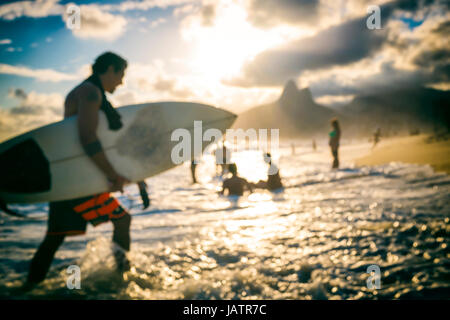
95 22
45 8
208 13
160 83
98 24
268 13
157 22
35 9
38 74
17 93
409 58
343 44
33 110
340 45
145 5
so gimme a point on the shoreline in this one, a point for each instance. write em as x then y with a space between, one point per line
409 149
418 149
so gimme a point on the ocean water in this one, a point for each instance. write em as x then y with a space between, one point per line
315 239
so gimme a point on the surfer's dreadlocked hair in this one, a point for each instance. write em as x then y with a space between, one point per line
107 59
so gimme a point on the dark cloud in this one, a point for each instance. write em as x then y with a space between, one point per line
388 78
35 110
432 57
339 45
442 29
266 13
26 110
17 93
32 104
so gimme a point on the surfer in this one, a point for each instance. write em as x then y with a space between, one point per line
335 136
235 185
273 176
70 217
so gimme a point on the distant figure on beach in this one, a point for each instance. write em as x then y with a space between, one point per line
193 167
70 217
144 194
314 146
376 137
273 176
292 148
221 159
335 136
235 185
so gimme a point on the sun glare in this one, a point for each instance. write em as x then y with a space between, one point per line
224 47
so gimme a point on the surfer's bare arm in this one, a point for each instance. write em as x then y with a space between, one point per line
88 107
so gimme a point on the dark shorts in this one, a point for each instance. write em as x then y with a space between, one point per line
70 217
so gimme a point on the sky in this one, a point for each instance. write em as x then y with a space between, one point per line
233 54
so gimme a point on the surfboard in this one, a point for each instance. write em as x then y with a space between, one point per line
49 164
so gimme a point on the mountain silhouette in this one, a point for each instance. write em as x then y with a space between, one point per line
295 113
400 111
396 111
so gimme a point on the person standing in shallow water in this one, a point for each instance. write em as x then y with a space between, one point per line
193 168
335 136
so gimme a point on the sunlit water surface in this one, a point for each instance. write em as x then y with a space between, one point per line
313 240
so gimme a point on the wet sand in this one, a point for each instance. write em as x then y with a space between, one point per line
415 149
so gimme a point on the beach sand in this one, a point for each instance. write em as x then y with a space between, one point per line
409 149
414 149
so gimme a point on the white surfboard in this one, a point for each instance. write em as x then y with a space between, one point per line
49 164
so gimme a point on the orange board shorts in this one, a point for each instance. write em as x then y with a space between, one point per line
70 217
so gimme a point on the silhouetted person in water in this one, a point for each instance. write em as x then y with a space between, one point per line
335 136
273 176
376 137
235 185
193 167
221 159
314 146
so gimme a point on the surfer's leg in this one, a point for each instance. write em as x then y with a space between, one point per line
43 258
121 234
121 237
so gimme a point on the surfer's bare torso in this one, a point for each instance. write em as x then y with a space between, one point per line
82 94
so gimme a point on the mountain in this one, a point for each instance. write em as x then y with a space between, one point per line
394 111
295 113
400 111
